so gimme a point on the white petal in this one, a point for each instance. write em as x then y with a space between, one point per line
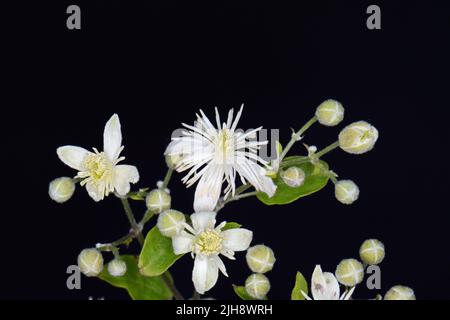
332 289
182 243
124 175
72 156
324 285
208 189
94 191
203 220
318 284
221 265
112 138
237 239
205 273
256 175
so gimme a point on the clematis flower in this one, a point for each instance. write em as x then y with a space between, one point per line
206 242
99 171
215 155
324 286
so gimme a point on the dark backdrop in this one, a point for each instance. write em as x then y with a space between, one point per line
156 64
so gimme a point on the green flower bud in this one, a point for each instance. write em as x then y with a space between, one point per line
358 137
173 160
293 177
90 262
170 222
346 191
350 272
330 113
400 293
372 251
158 201
61 189
260 258
257 285
117 267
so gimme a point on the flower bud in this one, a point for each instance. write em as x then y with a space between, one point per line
400 293
330 113
117 267
170 222
257 285
158 201
372 251
358 137
350 272
346 191
61 189
293 177
172 160
260 258
90 262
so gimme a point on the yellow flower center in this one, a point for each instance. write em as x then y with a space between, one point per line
98 166
224 146
209 242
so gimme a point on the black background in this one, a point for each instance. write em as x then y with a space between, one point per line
157 64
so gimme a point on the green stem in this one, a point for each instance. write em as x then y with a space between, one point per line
132 220
327 149
242 196
167 178
297 136
147 216
171 286
137 230
221 203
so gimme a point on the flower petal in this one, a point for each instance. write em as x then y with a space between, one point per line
208 189
238 239
256 175
203 220
123 176
221 265
332 290
324 285
112 138
94 191
182 243
205 273
318 284
72 156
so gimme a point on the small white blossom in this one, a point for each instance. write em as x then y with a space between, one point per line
215 155
205 242
100 171
324 286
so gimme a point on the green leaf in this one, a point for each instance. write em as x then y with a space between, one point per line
138 286
300 284
316 177
242 293
231 225
157 254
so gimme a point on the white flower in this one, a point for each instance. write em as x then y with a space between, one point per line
324 286
99 170
215 155
206 242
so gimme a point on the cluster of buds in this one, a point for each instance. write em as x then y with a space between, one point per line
260 259
356 138
90 261
350 272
